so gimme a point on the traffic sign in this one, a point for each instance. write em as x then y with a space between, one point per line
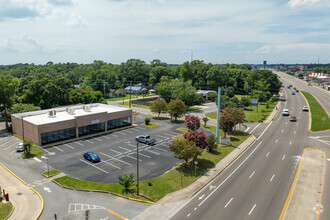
323 118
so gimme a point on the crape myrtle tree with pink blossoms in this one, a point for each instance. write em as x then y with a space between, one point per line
230 116
193 124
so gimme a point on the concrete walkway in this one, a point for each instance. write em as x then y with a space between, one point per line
27 203
173 202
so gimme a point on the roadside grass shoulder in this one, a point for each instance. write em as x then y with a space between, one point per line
192 108
5 208
156 188
52 173
127 97
317 113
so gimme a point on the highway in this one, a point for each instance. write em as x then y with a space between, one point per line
257 184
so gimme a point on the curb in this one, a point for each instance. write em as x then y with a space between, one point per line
220 171
105 192
13 174
12 211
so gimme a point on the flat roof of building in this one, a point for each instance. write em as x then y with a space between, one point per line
42 117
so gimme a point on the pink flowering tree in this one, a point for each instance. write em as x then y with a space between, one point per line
201 138
192 122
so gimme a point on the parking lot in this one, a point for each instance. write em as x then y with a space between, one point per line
8 143
117 151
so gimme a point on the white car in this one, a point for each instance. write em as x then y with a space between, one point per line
305 109
19 147
285 112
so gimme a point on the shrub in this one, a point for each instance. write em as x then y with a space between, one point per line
212 143
205 119
146 121
192 122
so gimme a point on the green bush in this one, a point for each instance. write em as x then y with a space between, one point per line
146 121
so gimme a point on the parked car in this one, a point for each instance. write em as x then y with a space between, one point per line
289 87
293 118
293 93
285 112
19 147
91 156
297 90
145 139
305 109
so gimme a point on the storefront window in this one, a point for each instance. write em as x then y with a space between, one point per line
117 123
54 136
91 129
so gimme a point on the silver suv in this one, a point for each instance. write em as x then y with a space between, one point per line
145 139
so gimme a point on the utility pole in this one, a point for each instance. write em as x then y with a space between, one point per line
137 167
130 94
218 114
104 87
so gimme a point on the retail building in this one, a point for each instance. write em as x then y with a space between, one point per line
58 124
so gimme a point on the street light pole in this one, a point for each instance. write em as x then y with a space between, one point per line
137 167
48 167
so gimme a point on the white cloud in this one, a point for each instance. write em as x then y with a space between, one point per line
306 47
302 3
76 21
156 50
21 44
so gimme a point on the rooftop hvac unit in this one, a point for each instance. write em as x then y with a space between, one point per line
67 109
54 112
87 108
50 113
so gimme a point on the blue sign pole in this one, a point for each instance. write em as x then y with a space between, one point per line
218 115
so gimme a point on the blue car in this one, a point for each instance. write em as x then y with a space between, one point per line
91 156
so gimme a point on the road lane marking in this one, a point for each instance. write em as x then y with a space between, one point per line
228 202
283 157
116 214
271 179
94 166
267 154
290 142
106 137
276 140
79 143
69 146
251 174
252 209
104 161
265 130
286 123
37 159
297 124
294 132
89 141
188 215
230 174
282 130
59 149
97 139
254 128
115 158
247 129
195 209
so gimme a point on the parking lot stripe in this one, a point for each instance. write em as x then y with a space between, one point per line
125 149
132 157
144 155
97 139
69 146
146 149
118 153
176 133
46 151
94 166
154 146
129 132
89 141
115 158
142 128
6 142
106 137
59 149
110 164
79 143
161 136
114 135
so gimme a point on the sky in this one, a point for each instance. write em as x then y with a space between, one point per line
174 31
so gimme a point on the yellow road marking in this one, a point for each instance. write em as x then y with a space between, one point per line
116 214
294 180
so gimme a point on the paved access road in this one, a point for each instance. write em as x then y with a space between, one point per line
256 185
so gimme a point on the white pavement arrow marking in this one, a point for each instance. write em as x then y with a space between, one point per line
211 187
328 159
43 157
201 197
47 189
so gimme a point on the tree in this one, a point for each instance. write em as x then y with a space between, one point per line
212 143
230 116
192 122
159 106
27 148
245 101
201 138
127 182
8 86
176 108
19 108
185 150
205 119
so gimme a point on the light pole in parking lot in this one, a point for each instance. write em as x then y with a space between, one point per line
137 167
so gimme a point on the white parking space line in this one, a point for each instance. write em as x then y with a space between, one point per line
6 142
252 209
251 174
115 158
114 135
37 159
58 149
94 166
161 136
154 146
127 150
147 149
276 140
132 157
68 146
47 151
8 147
247 129
13 151
283 157
142 128
228 202
89 141
294 132
271 179
116 152
97 139
79 143
104 161
106 137
176 133
267 154
129 132
144 155
254 128
282 130
290 142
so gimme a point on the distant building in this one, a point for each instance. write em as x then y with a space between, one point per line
135 89
205 93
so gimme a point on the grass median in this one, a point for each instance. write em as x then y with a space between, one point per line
5 208
51 173
317 113
156 188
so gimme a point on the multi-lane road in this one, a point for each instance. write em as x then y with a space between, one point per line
257 184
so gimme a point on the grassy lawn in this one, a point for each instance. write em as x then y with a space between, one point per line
34 152
5 208
251 114
317 113
52 173
192 108
134 105
127 97
154 189
150 125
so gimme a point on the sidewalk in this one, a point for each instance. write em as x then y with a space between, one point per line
27 203
173 202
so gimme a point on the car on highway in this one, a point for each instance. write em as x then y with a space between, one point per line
145 139
297 90
305 109
294 88
293 118
285 112
19 147
91 156
289 87
293 93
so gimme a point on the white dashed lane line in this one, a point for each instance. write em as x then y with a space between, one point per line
290 143
276 140
228 202
267 154
271 179
252 209
251 174
283 157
